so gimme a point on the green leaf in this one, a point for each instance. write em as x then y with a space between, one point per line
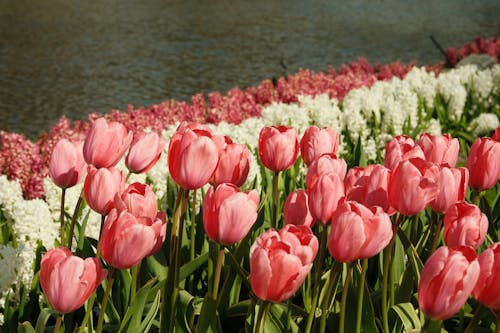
43 317
408 316
148 320
25 328
208 320
189 268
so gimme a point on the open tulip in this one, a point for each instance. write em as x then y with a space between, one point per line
234 163
326 163
126 239
138 199
401 148
483 163
316 142
67 166
440 149
67 280
325 196
296 209
106 143
452 187
144 152
465 224
192 156
280 261
447 280
358 232
100 188
228 213
278 147
487 289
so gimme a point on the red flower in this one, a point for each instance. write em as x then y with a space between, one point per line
278 147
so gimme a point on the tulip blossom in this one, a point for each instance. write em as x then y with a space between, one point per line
413 185
278 147
67 280
440 149
144 152
192 156
358 232
67 166
483 163
234 163
280 261
447 279
487 289
100 188
325 196
126 239
228 213
452 187
496 135
106 143
138 199
401 148
316 142
369 186
465 224
326 163
296 209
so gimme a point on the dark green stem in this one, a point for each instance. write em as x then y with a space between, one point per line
474 320
133 286
361 289
437 233
73 221
261 317
88 312
61 218
276 200
343 303
58 323
332 282
109 286
192 248
218 269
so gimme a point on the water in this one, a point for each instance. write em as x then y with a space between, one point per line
63 57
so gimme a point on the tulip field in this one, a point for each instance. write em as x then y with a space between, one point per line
360 200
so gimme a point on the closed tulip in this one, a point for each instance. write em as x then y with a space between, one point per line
447 280
296 209
358 232
326 163
228 213
192 156
487 289
401 148
325 196
483 163
413 185
67 166
440 149
278 147
452 187
106 143
138 199
496 135
280 261
68 281
126 239
234 163
144 152
465 224
100 188
316 142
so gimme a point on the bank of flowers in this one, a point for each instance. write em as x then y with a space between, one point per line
367 107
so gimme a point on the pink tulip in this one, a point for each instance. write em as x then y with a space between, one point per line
138 199
465 224
316 142
278 147
369 186
401 148
126 239
67 166
440 149
68 281
326 163
106 143
144 152
234 163
447 280
228 214
358 232
452 187
487 289
280 261
100 188
325 196
296 209
413 185
496 135
483 163
192 156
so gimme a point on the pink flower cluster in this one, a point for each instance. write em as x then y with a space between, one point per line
490 46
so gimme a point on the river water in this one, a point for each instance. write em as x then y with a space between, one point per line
65 57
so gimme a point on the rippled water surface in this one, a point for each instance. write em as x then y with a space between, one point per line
63 57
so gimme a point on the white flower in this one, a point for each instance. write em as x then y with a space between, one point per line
484 124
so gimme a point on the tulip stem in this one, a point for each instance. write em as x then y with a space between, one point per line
325 305
109 285
73 220
343 303
385 274
218 269
261 317
192 248
63 196
276 200
361 289
103 219
58 323
474 320
437 232
133 285
88 313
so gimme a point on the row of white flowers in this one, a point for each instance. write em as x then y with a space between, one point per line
387 103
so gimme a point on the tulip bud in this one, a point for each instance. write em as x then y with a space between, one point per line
452 187
67 166
483 163
144 152
296 209
100 188
138 199
316 142
278 147
440 149
487 289
465 225
401 148
326 163
325 196
234 163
